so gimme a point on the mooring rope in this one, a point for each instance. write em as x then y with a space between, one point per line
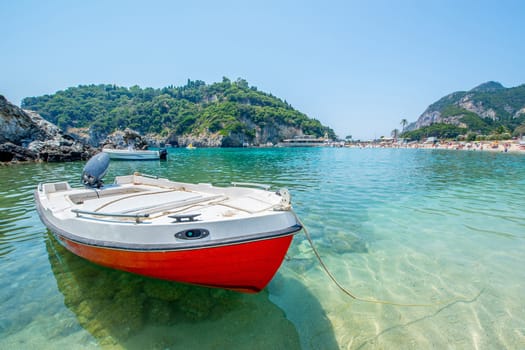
369 300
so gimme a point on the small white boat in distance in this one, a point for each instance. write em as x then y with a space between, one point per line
132 154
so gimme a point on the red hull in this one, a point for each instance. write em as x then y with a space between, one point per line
245 267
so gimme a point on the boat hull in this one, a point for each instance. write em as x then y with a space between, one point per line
245 267
233 238
132 155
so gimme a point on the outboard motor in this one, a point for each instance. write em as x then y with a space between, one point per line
163 153
95 170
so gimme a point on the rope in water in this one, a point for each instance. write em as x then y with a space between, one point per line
367 300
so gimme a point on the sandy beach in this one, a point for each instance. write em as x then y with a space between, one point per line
507 146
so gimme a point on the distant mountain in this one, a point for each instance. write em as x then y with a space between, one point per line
490 86
229 113
488 109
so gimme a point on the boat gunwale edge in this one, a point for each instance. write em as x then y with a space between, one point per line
291 230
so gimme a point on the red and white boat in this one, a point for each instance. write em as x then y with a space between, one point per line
233 238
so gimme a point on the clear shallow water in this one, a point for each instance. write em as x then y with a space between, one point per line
410 226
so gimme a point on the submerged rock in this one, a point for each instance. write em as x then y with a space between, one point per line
119 309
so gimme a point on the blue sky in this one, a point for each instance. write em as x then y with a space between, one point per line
357 66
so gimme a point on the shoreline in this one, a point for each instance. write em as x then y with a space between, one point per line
507 146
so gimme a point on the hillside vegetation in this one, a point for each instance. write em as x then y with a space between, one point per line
489 111
227 109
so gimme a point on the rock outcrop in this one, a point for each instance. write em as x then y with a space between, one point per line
26 136
124 139
20 127
269 134
9 151
205 139
490 101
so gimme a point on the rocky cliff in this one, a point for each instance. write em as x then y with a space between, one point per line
485 106
25 135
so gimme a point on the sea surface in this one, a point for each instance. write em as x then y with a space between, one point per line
442 231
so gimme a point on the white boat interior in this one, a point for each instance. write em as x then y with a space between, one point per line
151 205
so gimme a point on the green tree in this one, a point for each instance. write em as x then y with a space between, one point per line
520 130
404 123
395 133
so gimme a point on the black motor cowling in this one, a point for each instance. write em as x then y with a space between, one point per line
163 153
95 170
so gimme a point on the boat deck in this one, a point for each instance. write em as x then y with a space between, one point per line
157 200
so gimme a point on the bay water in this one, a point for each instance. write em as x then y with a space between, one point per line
439 233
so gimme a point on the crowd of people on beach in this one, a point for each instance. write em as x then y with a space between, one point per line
491 146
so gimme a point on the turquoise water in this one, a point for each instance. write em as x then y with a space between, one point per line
445 228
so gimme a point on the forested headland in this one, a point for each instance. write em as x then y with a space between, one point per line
230 113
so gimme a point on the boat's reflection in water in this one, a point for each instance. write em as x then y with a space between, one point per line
122 309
